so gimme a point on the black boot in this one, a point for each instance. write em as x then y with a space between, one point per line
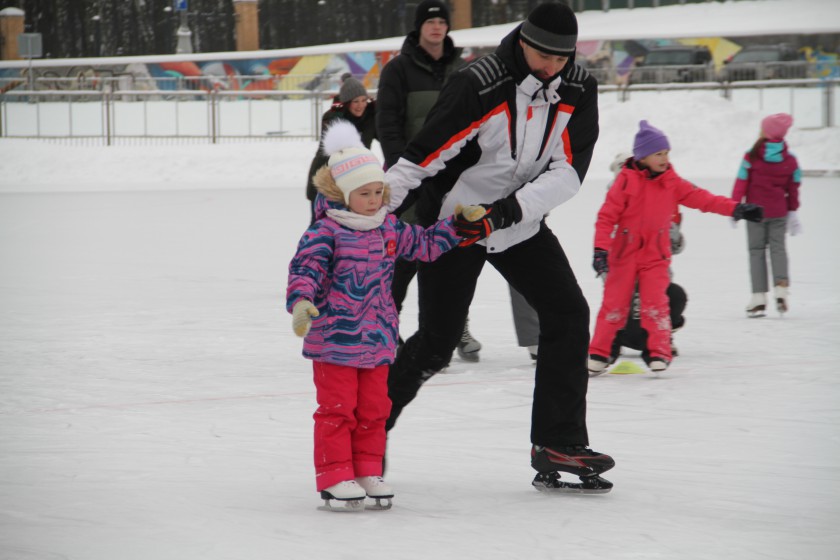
574 459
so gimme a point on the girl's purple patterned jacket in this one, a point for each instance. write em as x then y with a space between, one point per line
347 274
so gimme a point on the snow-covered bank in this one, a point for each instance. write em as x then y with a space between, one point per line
708 137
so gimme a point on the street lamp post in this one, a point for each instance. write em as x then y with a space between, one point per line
97 35
184 45
167 16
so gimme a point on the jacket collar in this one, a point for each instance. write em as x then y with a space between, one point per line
540 92
645 172
774 151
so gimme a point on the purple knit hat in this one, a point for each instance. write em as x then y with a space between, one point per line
649 140
776 126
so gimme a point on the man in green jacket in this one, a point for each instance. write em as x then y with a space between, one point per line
408 88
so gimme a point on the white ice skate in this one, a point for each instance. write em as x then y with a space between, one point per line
348 495
377 489
781 294
468 347
757 306
533 350
596 365
657 365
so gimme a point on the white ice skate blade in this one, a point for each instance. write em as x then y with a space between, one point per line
343 506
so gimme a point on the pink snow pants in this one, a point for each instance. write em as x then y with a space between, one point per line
655 314
353 406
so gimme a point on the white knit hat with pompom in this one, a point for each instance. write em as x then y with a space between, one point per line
351 164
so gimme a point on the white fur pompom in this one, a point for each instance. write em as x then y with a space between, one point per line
340 136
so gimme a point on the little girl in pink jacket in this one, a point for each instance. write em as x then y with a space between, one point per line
632 242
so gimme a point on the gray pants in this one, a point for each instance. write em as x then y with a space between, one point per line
525 320
768 235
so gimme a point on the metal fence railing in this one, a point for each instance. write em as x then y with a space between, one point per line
789 70
128 81
130 116
327 80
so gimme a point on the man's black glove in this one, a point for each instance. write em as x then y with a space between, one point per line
599 261
501 214
749 212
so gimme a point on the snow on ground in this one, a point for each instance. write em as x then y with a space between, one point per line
155 405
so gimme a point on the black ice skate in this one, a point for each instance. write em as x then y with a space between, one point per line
573 459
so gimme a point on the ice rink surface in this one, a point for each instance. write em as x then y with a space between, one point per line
154 404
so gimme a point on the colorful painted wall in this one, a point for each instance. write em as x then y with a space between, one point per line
322 72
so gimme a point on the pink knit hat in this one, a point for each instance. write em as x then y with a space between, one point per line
776 126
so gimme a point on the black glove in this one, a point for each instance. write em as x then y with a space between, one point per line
501 214
749 212
599 261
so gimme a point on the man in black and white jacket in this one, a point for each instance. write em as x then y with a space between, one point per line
515 130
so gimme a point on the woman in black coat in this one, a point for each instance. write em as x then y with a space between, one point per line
352 105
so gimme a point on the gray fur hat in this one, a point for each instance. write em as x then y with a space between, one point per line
350 90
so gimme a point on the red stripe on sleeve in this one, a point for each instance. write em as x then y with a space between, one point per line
466 132
567 148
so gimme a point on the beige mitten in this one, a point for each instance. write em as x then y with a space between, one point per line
302 314
471 213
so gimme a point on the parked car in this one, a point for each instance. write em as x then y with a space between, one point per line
764 62
675 63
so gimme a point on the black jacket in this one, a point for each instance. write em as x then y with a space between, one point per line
408 88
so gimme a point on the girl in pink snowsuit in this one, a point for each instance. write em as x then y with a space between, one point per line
632 242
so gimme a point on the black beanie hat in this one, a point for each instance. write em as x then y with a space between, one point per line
552 29
428 9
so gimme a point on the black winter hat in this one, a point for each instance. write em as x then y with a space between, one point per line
552 29
428 9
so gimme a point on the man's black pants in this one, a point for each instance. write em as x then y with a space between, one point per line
539 270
